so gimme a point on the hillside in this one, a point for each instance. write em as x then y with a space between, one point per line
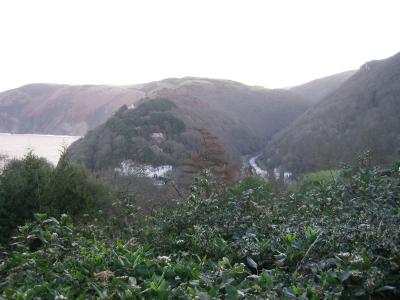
242 117
154 144
153 133
318 89
362 114
61 109
74 110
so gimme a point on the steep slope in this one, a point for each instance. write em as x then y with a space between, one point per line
61 109
363 113
153 133
151 145
243 117
152 151
320 88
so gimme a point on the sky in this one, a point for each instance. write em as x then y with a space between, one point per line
257 42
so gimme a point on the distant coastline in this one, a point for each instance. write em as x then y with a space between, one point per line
42 134
49 146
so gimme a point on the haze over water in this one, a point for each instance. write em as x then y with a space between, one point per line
47 146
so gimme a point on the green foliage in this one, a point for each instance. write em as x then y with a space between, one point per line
23 184
74 190
262 187
339 239
127 136
325 176
31 185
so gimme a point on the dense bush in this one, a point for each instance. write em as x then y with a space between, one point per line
74 190
23 185
31 184
330 240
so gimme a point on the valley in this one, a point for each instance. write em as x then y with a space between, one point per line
199 150
243 119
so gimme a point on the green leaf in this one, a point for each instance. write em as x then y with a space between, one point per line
51 220
132 282
289 292
251 263
40 216
231 292
266 280
344 276
386 288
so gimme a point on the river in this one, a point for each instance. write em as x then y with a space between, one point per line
259 172
252 161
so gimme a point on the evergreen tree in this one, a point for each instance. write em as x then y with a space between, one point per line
22 187
74 190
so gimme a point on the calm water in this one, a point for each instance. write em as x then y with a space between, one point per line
48 146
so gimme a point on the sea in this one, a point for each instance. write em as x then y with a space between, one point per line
47 146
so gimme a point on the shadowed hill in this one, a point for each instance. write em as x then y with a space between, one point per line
320 88
243 117
61 109
363 113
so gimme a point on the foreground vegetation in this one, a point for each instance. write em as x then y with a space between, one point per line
329 239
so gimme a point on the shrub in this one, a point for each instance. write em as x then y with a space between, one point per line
325 176
74 190
337 240
22 187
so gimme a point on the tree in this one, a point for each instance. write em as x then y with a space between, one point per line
211 155
74 190
22 187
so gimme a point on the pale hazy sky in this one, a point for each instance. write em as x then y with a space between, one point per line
270 43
